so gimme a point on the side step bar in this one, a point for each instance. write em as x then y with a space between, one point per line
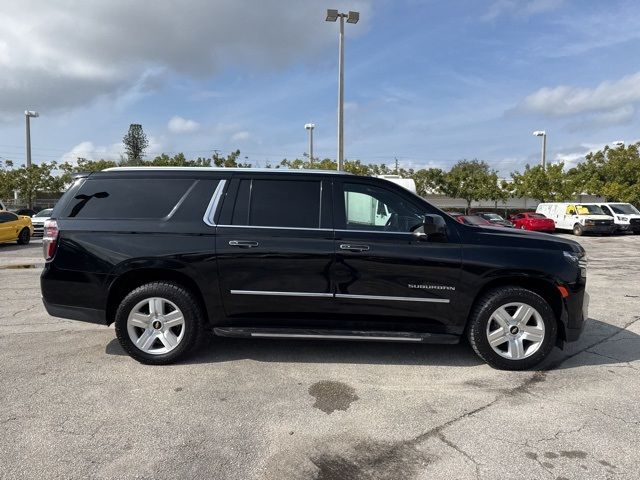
379 336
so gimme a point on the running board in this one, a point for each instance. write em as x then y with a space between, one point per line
379 336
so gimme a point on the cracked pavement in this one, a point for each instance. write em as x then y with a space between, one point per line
75 406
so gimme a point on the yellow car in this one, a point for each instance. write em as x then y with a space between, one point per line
15 228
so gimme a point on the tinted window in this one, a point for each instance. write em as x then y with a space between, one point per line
373 208
278 203
126 198
7 217
536 215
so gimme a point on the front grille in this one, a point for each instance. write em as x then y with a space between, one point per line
603 222
635 221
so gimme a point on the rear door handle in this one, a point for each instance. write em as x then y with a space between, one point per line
243 243
354 248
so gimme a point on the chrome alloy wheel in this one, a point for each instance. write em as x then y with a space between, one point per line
155 325
515 331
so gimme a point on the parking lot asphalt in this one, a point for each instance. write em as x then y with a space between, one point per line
75 406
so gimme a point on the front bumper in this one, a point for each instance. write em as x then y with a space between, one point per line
599 228
575 314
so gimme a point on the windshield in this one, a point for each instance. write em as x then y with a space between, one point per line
492 216
589 210
44 213
624 209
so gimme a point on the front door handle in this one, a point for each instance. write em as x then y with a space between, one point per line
243 243
354 248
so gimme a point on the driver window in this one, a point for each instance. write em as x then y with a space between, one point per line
373 208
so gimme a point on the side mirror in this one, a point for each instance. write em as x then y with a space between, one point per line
433 228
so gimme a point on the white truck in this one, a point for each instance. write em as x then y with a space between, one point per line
625 216
578 217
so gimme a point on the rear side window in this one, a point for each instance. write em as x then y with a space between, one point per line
278 203
126 198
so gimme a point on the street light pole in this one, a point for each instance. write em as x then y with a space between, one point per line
28 114
352 17
543 134
310 127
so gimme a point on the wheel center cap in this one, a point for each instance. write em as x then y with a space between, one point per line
157 324
514 330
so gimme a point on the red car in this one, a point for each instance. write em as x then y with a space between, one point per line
533 221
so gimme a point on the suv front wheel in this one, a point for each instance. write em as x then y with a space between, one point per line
512 328
158 323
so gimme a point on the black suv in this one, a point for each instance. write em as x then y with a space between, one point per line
169 253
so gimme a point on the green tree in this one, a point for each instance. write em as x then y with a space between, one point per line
613 173
550 184
428 180
135 143
471 180
6 179
36 178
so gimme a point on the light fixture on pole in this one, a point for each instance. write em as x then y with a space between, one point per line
28 114
352 17
310 127
543 134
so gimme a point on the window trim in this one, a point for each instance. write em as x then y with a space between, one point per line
210 212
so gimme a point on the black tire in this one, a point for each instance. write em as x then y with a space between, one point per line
578 230
191 312
481 315
24 237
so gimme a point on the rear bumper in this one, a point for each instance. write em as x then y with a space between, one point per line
83 314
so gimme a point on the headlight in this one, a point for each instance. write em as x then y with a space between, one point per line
623 219
589 222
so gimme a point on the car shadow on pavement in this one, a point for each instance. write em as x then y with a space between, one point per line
226 349
604 344
600 344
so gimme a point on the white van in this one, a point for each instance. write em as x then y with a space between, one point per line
578 217
625 216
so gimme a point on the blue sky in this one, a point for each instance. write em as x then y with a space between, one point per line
428 82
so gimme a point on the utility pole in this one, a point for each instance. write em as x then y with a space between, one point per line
543 134
28 114
352 17
310 127
396 165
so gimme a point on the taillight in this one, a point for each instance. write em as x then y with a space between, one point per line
50 239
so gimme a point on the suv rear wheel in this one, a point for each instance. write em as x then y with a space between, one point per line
512 328
159 323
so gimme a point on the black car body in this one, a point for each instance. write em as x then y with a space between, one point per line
270 253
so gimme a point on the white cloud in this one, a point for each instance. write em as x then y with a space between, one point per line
522 8
612 101
55 56
182 125
240 136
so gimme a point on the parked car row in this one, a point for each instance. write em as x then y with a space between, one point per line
580 218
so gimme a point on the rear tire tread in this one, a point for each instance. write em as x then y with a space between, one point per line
194 321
